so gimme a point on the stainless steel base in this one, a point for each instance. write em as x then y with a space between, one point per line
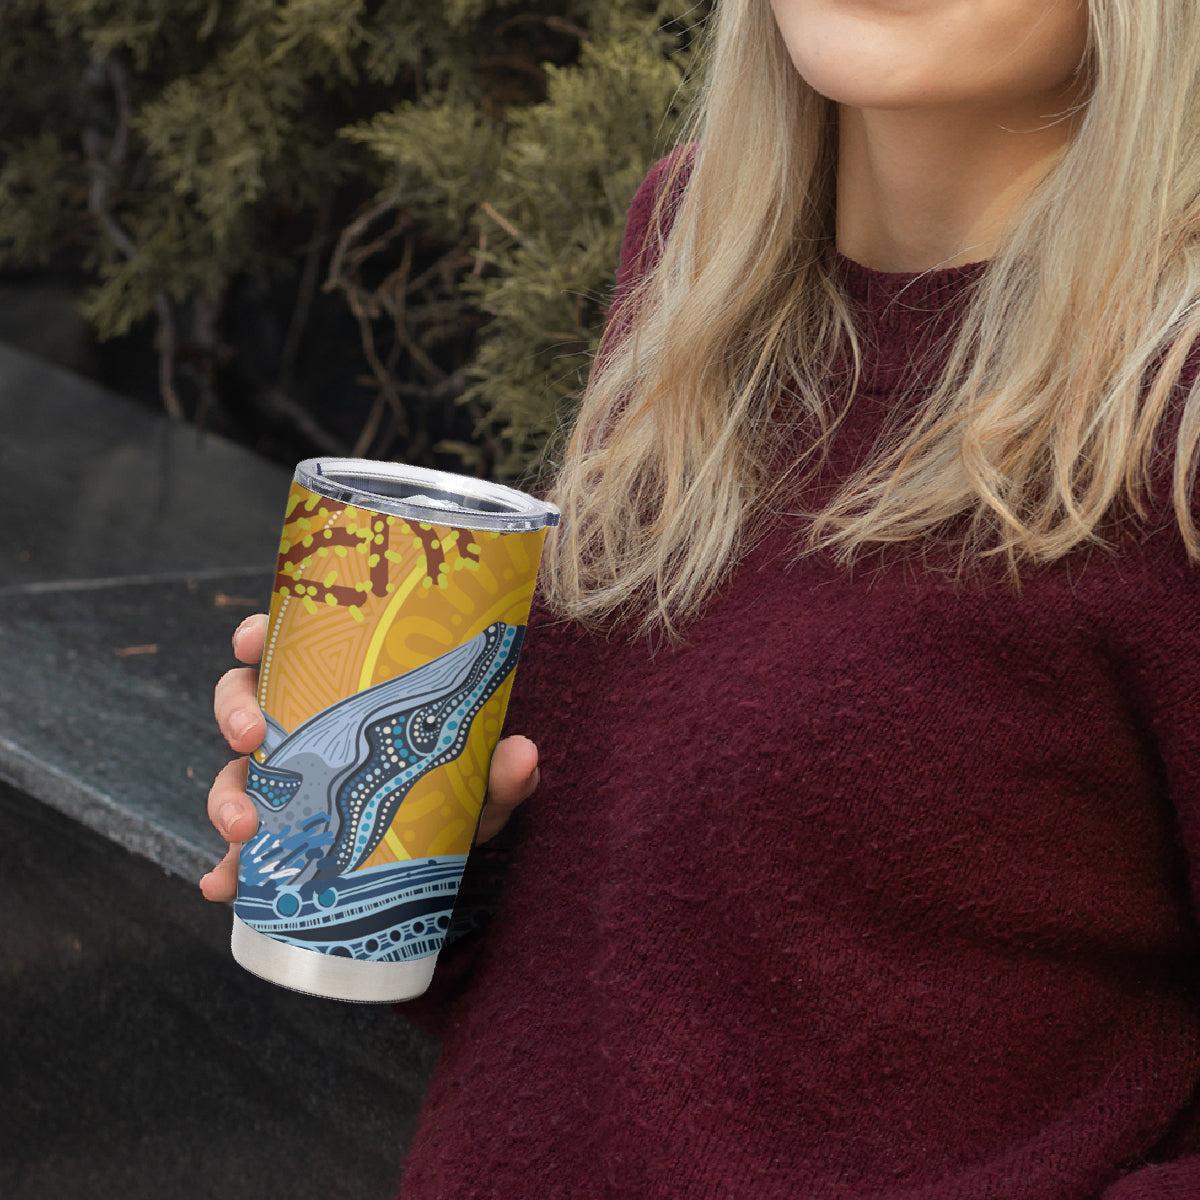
326 974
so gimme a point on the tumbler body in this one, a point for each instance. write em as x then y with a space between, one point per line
398 610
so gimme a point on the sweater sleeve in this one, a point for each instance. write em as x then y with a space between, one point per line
1160 645
486 866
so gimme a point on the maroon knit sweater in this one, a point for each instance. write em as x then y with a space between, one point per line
875 889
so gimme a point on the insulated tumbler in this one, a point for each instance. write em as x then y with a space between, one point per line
399 604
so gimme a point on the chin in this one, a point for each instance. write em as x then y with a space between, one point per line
862 90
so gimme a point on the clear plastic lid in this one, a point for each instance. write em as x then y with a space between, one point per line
418 494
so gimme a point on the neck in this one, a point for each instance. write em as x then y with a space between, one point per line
919 189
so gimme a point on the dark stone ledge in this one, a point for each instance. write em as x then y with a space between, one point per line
130 547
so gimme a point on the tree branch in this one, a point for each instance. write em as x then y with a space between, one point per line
306 292
102 168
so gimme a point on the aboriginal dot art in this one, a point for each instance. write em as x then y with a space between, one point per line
389 661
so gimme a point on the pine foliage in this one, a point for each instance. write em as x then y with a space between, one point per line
454 174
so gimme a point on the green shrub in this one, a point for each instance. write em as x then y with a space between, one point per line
452 176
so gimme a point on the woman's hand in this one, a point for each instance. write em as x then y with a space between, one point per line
513 777
241 722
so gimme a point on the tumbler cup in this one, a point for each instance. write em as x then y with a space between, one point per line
398 609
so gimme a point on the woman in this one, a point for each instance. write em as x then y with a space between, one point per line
864 679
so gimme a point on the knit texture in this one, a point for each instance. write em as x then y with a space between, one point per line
876 888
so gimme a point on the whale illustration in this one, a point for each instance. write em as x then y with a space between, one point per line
328 791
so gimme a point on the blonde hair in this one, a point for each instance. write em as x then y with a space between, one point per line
1043 423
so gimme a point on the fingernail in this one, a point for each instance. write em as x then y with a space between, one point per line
226 817
241 723
237 633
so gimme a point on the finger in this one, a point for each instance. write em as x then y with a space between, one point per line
221 882
229 808
235 706
514 766
249 638
513 778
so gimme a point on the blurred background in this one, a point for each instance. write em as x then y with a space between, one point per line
330 225
233 236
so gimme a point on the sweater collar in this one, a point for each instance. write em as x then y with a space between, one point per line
905 319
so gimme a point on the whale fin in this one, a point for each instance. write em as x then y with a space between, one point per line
271 787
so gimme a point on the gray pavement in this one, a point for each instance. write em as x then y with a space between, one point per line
139 1062
136 1059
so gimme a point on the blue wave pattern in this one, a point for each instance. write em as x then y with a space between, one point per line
388 913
